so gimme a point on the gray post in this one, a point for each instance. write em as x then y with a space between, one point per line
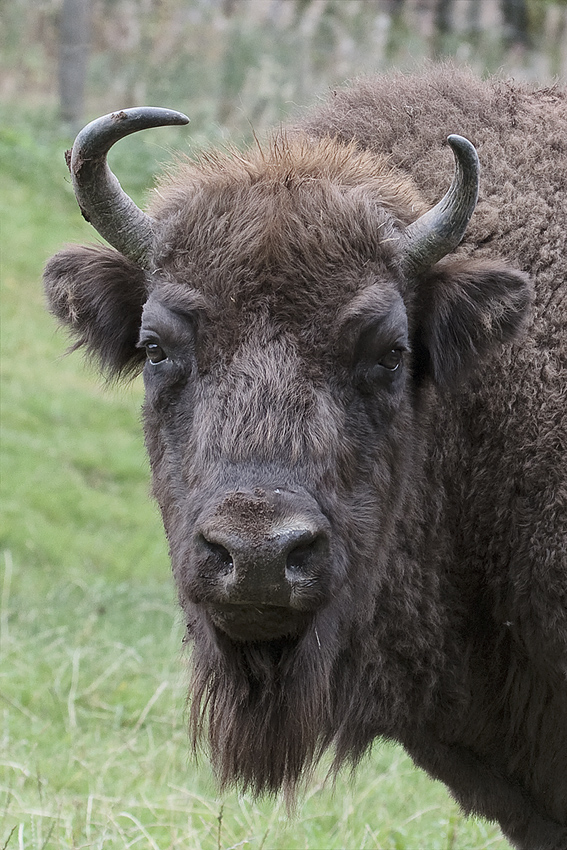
73 59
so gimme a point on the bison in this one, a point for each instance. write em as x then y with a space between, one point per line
355 414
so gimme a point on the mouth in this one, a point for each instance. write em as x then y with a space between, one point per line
258 622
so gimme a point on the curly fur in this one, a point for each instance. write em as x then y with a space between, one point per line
445 625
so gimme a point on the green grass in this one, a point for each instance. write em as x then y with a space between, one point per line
93 748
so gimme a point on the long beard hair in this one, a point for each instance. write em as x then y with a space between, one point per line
266 710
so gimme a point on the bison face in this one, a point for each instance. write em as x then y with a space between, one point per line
279 446
295 327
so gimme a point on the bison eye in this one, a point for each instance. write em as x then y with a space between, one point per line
155 352
392 360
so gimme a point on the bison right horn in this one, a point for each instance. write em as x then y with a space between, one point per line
101 198
438 231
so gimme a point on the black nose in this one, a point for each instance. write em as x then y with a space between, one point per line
264 552
268 568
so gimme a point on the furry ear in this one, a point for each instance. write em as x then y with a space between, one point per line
99 295
465 310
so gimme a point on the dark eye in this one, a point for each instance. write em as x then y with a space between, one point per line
155 352
391 360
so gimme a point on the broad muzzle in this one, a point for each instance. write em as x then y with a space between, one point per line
261 563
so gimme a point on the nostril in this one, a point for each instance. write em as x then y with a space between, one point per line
303 559
218 556
299 558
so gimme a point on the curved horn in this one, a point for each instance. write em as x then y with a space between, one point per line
101 198
441 228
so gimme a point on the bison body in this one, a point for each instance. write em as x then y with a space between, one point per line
360 460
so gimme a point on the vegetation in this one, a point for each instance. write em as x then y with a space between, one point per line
93 746
234 63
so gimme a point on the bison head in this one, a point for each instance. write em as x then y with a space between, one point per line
292 319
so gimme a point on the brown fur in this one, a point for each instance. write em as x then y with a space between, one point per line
438 614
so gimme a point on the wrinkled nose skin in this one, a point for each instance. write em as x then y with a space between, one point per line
261 563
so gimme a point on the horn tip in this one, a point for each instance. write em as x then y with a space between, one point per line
465 153
168 116
456 138
460 143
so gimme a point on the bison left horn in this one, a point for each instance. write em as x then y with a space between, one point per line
101 198
440 229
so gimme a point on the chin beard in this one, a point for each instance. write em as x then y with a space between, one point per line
265 709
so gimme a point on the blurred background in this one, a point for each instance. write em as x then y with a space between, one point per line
232 63
93 749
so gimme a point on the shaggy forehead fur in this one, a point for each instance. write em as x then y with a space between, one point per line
288 160
289 216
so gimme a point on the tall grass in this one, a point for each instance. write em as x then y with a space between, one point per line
93 750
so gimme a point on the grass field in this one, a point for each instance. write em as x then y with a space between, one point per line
93 747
